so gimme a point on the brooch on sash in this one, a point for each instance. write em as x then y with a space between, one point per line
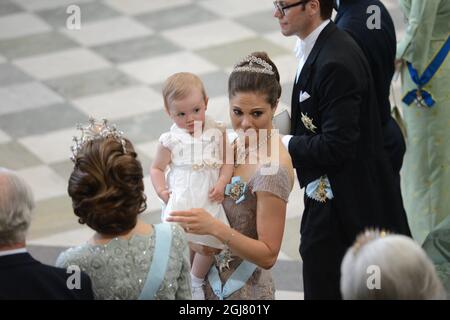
236 189
308 123
321 193
320 189
223 259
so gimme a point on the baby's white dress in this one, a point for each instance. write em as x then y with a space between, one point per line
193 172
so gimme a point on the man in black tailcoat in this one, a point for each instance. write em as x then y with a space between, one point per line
336 145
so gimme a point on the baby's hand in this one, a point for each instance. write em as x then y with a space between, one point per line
217 194
203 250
164 195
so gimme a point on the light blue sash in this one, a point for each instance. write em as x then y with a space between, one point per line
420 95
158 267
313 189
236 281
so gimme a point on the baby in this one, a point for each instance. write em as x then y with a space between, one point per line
198 174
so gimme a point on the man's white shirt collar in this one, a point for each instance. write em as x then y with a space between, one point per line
304 47
10 252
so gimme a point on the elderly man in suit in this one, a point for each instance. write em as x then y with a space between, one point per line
336 145
21 276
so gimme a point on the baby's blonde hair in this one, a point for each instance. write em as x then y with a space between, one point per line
179 86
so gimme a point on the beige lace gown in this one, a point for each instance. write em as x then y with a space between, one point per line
242 217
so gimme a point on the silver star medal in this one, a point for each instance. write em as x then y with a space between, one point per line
307 122
223 259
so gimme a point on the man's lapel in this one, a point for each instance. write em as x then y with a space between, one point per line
294 107
306 71
304 77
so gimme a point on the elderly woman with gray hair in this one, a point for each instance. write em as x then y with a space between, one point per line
22 277
381 266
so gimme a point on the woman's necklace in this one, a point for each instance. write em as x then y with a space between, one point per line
241 156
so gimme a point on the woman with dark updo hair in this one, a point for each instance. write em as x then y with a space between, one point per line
125 257
256 198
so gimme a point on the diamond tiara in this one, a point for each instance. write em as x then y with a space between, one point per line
94 131
367 236
266 67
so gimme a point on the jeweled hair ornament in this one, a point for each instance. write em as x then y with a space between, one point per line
94 131
366 237
250 67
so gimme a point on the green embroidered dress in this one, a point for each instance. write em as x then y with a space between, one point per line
118 269
426 172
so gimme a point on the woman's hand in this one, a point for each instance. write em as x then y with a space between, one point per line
203 250
197 221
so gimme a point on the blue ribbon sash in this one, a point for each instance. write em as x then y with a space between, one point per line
160 260
419 95
236 281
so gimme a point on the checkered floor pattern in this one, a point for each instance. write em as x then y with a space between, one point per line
52 77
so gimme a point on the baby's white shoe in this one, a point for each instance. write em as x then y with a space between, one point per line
198 293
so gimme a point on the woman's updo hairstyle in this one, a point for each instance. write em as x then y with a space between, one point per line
256 73
106 186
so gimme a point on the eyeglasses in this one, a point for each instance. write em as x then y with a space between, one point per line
282 10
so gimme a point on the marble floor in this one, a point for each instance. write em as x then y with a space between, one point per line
52 77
